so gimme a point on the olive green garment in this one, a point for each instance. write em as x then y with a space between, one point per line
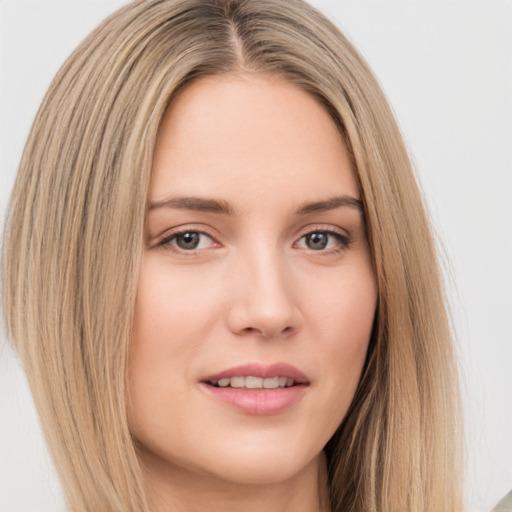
505 505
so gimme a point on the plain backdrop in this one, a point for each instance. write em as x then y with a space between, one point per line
447 69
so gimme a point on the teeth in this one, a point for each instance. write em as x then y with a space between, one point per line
237 382
251 382
272 383
223 383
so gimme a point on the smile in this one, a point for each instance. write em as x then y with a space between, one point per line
252 382
257 389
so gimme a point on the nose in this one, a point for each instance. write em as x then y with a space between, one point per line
263 300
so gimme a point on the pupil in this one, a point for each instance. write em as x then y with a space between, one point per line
188 240
317 241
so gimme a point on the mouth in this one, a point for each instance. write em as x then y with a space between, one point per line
253 382
258 389
258 376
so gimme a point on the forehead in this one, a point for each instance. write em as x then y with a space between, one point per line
248 136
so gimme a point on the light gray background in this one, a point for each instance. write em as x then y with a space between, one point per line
446 66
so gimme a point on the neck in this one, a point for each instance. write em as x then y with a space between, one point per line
179 490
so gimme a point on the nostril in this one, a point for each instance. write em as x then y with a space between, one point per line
250 330
271 333
266 321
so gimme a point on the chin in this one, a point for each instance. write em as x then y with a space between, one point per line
260 470
261 461
247 462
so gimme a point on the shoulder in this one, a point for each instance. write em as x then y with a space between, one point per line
505 505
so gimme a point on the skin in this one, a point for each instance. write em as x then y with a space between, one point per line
255 289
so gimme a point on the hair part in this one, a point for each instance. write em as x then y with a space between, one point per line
75 232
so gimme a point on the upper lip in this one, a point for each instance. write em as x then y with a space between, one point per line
260 370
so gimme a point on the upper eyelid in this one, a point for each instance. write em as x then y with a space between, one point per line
311 229
343 238
170 233
187 230
303 232
326 229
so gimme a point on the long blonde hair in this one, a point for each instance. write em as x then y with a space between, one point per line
75 231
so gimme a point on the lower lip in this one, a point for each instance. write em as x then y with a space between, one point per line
260 402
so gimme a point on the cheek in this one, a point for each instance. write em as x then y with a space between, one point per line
167 335
344 322
175 304
343 310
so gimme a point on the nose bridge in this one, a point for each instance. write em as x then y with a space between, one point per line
263 300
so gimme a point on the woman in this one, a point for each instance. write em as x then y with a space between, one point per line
218 190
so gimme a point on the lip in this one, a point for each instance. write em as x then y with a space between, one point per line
259 402
260 370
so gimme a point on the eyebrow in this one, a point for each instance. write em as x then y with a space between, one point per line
331 204
198 204
223 207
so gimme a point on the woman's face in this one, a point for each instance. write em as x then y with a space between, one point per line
256 274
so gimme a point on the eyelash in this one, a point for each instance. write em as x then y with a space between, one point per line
343 241
167 241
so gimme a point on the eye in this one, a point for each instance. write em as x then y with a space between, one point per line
323 240
188 241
